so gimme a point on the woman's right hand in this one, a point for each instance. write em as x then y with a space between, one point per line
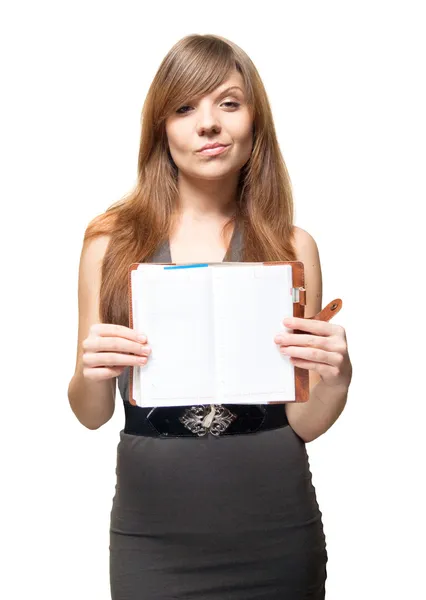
110 348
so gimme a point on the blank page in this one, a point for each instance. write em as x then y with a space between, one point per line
250 304
173 306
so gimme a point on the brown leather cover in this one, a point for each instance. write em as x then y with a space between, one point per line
301 375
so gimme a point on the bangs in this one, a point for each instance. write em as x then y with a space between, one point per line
198 71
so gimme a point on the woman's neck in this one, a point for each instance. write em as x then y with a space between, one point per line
212 199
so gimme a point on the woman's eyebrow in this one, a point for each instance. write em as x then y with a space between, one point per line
224 92
229 89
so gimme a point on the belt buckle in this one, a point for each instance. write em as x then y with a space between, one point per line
203 419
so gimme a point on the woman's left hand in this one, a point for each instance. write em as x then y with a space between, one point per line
323 349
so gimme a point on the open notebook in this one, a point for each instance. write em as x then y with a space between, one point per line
211 328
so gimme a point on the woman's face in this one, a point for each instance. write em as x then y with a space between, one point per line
221 117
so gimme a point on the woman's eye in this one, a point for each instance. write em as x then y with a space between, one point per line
235 104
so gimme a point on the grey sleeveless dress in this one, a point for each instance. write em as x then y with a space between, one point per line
216 518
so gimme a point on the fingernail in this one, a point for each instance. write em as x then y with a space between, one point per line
142 338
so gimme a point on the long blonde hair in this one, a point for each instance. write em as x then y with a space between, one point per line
196 65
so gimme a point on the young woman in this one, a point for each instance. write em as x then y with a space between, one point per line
231 515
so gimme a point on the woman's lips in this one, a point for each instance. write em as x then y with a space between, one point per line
213 151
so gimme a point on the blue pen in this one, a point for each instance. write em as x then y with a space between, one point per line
196 265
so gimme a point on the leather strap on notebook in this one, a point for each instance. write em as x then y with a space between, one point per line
328 312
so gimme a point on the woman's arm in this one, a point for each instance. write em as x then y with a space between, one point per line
313 418
92 402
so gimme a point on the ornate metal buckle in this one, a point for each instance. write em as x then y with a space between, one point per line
203 419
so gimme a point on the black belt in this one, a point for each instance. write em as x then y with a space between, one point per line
195 421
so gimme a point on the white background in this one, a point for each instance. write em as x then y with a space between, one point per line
346 84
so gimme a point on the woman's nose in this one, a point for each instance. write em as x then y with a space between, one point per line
214 127
207 121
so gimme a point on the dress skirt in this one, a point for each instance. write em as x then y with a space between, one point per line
217 518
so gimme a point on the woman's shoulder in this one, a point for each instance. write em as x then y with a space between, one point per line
97 243
303 240
306 248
